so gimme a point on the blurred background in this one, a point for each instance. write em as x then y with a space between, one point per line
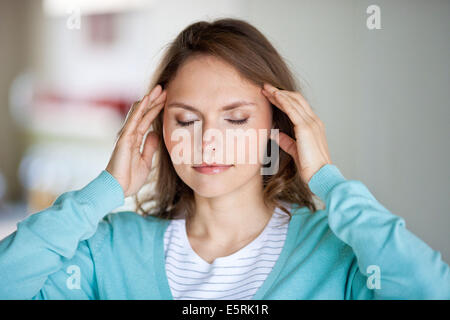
378 78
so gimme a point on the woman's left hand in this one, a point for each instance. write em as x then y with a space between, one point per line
310 148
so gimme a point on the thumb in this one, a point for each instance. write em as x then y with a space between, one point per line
289 145
150 145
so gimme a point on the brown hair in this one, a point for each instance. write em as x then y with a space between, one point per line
246 49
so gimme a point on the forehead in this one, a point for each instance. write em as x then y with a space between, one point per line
209 81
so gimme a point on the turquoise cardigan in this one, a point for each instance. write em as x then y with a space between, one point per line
353 249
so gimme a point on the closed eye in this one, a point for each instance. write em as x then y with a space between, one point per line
184 124
236 122
242 121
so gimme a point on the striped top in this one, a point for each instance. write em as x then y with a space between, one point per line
234 277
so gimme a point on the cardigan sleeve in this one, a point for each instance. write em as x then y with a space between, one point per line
390 261
48 256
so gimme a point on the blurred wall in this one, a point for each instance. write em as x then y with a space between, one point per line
16 25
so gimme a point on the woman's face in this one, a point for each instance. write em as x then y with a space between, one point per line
195 103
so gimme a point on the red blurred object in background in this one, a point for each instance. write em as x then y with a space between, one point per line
120 105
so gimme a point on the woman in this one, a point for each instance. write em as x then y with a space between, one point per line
217 228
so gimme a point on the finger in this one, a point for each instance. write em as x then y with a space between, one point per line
299 107
296 102
279 102
150 146
297 96
137 137
154 93
289 145
130 112
151 114
133 108
314 118
137 114
283 102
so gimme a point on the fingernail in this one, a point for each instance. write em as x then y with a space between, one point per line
157 88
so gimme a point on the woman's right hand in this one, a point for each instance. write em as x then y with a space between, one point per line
128 165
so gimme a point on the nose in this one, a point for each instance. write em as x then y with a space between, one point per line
209 148
211 141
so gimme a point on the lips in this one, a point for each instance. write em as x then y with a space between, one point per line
212 168
214 164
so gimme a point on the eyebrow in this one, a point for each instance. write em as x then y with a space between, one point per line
234 105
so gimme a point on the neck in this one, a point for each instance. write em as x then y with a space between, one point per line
231 218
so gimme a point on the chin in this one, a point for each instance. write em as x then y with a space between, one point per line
212 186
208 193
215 185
